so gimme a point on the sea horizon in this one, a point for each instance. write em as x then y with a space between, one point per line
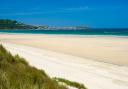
91 32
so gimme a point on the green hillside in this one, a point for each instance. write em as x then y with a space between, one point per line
13 24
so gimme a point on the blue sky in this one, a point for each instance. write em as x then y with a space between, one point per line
92 13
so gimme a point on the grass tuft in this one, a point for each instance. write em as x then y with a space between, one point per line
70 83
15 73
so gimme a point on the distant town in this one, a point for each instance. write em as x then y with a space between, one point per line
13 24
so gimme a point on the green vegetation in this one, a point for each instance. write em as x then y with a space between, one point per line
70 83
15 73
13 24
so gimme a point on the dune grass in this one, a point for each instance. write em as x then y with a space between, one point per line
15 73
70 83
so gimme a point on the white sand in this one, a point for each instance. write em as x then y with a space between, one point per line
105 49
89 60
95 75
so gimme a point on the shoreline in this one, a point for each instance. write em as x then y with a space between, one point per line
70 35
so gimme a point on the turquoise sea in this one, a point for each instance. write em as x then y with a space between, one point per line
115 32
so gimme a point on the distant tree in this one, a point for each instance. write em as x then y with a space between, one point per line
13 24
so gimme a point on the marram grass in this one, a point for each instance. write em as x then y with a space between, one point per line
15 73
70 83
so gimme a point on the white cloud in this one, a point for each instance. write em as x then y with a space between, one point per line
77 8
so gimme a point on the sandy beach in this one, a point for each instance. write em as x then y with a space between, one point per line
99 62
100 48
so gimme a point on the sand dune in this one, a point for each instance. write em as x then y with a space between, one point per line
95 75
